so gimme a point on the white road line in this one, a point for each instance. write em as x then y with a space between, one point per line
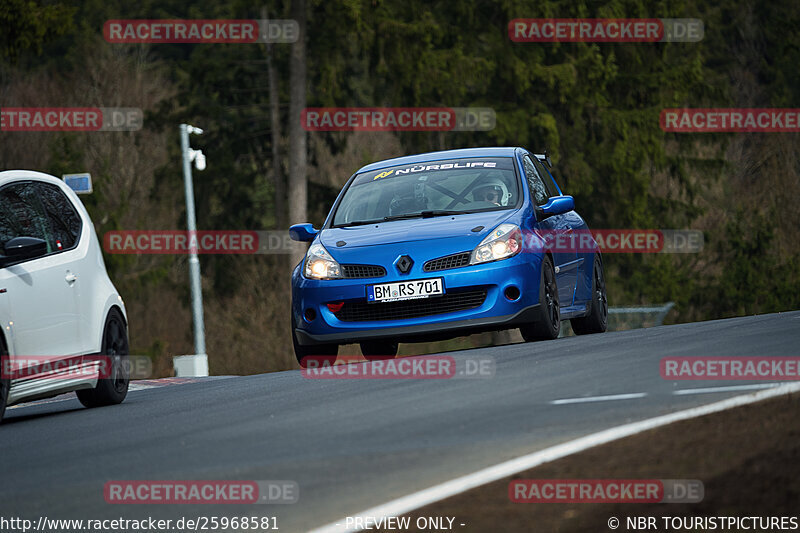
450 488
588 399
42 402
134 387
709 390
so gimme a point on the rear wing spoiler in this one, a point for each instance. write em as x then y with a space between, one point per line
544 158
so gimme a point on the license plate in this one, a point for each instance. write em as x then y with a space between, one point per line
405 290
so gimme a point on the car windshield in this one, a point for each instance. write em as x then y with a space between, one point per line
453 186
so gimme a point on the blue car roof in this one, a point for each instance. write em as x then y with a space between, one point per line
497 151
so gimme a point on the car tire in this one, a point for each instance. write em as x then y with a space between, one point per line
114 389
597 319
548 323
323 354
377 350
5 383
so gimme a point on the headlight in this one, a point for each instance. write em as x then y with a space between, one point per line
320 265
503 242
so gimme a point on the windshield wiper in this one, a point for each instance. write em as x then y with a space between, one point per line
441 213
421 214
424 214
356 223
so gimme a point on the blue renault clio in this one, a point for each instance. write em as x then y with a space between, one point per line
445 244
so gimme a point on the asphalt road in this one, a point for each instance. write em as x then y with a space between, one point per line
354 444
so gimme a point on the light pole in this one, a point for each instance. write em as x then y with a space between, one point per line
197 364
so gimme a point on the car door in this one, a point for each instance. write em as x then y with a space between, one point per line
564 256
66 227
40 291
569 223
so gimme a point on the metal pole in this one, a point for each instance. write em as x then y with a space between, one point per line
200 358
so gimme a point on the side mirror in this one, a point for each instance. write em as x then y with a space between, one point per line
303 232
21 248
557 205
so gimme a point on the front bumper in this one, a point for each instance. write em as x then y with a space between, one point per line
424 332
495 313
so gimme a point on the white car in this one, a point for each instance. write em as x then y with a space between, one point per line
64 326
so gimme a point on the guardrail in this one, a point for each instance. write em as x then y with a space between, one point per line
659 312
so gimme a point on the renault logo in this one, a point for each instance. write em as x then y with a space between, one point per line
404 264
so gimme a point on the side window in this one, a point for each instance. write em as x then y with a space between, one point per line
64 221
535 183
19 216
548 181
41 210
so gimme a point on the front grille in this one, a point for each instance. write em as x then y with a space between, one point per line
363 271
449 303
447 262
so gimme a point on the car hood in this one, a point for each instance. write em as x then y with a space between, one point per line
457 227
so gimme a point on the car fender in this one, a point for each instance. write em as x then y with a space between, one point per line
100 320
